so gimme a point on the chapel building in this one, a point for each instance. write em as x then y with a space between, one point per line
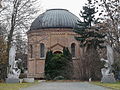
52 30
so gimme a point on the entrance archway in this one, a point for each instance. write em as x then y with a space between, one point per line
57 52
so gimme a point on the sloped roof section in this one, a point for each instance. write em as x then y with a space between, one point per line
55 18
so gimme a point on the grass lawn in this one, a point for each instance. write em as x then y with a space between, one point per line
16 86
115 86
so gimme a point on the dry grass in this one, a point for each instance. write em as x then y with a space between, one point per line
16 86
115 86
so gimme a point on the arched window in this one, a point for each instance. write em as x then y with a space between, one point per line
42 50
73 49
31 51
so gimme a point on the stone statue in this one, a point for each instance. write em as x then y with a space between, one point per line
107 75
14 71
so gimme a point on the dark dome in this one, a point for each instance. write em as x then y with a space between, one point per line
55 18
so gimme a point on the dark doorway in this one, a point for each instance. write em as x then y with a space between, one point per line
57 52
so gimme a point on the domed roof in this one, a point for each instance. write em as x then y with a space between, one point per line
55 18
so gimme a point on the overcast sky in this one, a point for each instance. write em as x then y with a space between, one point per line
73 6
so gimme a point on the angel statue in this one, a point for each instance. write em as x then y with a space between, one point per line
14 71
107 74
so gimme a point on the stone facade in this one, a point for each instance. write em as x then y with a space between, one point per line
54 39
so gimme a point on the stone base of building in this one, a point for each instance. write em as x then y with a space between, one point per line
36 76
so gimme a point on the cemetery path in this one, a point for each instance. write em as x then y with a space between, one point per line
65 86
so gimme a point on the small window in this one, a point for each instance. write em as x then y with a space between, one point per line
73 49
42 50
31 51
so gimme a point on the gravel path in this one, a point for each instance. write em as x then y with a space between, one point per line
65 86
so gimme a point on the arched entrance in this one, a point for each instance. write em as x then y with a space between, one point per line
57 52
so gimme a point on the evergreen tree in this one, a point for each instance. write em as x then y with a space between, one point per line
67 53
91 38
69 63
49 55
90 35
57 67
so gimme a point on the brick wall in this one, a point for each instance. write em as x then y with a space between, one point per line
54 39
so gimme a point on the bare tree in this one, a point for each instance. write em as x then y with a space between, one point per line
3 53
17 16
21 43
110 11
0 4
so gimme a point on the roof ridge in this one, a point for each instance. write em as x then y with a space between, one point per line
57 9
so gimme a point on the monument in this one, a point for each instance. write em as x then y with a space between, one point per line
13 71
107 75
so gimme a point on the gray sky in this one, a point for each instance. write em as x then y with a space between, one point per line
73 6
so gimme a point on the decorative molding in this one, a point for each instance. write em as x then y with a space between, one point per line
51 30
56 45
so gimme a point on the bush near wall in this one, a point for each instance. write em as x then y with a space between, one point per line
58 65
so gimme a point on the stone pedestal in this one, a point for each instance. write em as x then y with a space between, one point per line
28 80
108 79
12 80
20 80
